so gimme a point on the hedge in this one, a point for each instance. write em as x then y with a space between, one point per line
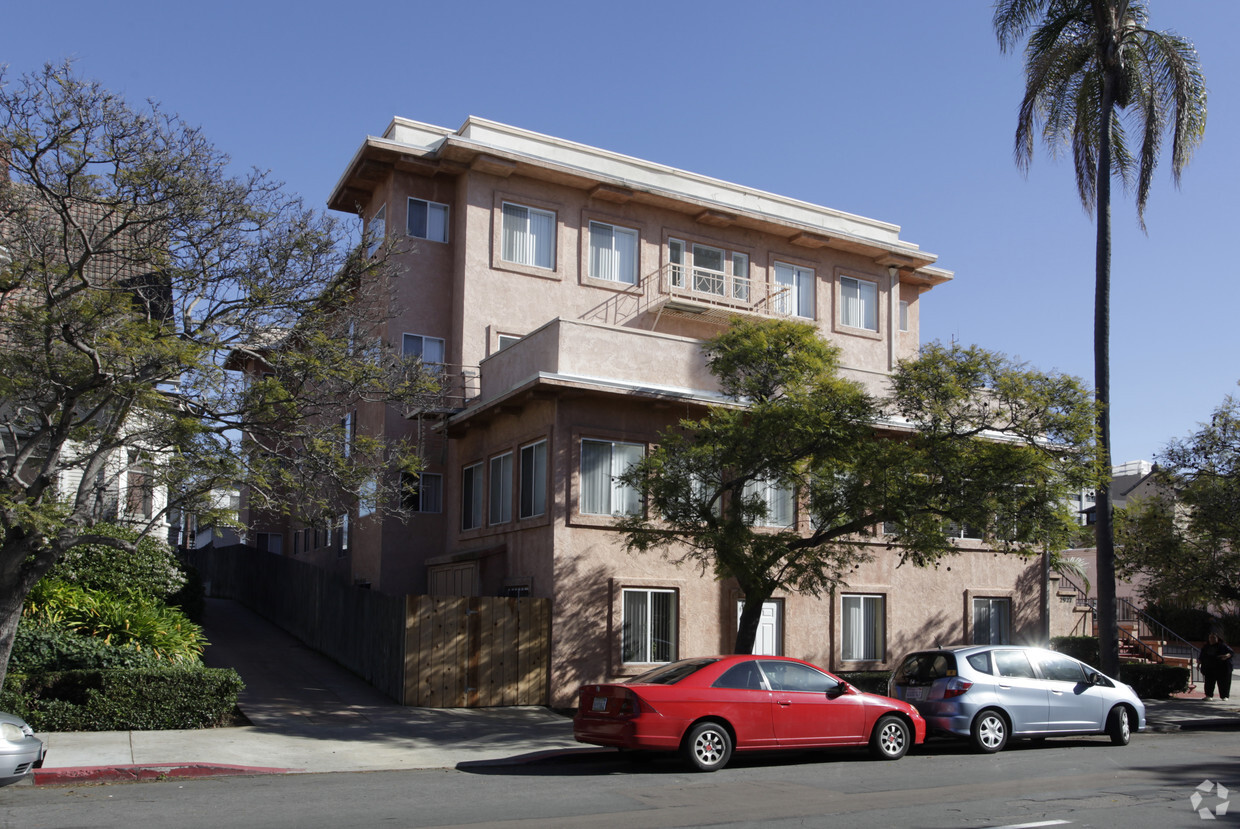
123 700
1154 681
871 682
1084 648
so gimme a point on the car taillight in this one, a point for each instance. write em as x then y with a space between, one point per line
956 687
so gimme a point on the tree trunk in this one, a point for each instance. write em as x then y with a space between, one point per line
1108 624
751 615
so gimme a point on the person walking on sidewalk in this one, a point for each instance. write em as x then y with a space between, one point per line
1216 666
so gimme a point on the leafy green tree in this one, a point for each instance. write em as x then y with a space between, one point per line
135 273
786 486
1094 76
1185 542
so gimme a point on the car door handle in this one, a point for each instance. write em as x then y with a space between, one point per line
784 702
1057 693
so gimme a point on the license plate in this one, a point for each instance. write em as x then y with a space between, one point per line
600 704
914 693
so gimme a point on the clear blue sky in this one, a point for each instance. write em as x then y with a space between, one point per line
900 110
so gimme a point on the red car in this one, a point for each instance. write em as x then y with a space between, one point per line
706 708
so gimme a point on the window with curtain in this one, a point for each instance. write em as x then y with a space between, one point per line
780 500
862 626
858 303
500 505
430 350
648 625
797 295
534 479
471 497
613 253
528 236
422 492
427 220
602 491
992 621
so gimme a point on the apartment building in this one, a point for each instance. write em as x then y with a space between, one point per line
562 292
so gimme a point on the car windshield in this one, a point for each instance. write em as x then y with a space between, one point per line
671 674
925 668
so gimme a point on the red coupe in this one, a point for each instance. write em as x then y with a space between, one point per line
706 708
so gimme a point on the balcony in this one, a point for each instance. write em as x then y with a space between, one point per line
704 292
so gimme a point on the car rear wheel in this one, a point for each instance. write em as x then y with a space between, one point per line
891 738
990 732
707 746
1118 727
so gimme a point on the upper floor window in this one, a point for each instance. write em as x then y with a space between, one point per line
903 315
796 290
528 236
367 497
613 253
427 220
501 489
858 303
471 497
779 499
534 479
602 464
708 270
422 492
376 230
430 350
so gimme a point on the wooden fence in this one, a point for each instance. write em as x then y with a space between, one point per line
477 651
428 651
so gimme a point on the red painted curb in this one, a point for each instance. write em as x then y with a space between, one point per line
140 773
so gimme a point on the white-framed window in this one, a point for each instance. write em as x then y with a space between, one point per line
471 497
602 464
528 236
430 350
427 220
957 531
534 479
422 492
858 303
706 269
500 502
367 497
992 621
508 340
780 501
796 290
903 315
376 229
648 625
863 623
613 253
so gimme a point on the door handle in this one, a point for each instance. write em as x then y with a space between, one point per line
784 702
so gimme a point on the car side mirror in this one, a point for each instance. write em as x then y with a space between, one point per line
1095 678
838 691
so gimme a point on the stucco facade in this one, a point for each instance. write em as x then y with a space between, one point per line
566 291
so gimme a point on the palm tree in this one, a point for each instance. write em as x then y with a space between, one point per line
1091 69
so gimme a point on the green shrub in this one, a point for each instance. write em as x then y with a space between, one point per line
152 570
52 647
872 682
126 700
135 620
192 597
1154 681
1084 648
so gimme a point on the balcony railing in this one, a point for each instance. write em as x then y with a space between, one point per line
458 385
723 292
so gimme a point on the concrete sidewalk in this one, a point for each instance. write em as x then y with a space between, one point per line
308 714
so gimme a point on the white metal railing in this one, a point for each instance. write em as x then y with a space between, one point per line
726 291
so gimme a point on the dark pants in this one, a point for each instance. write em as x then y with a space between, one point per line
1224 684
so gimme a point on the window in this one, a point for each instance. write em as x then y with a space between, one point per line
863 626
376 230
779 499
501 489
296 542
793 676
715 271
306 535
367 498
957 530
613 253
427 220
796 294
343 523
602 464
992 621
528 236
139 494
348 427
708 274
422 492
430 350
534 479
858 303
903 315
648 626
269 542
1014 664
471 497
507 341
1059 668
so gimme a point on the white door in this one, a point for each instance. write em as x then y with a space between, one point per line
768 640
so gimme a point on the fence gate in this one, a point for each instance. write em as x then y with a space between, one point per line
477 651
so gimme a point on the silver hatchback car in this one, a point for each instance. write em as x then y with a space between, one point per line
990 693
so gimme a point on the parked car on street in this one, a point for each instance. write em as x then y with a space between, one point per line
708 707
991 693
20 751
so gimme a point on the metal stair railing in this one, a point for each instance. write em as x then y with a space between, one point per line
1173 645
